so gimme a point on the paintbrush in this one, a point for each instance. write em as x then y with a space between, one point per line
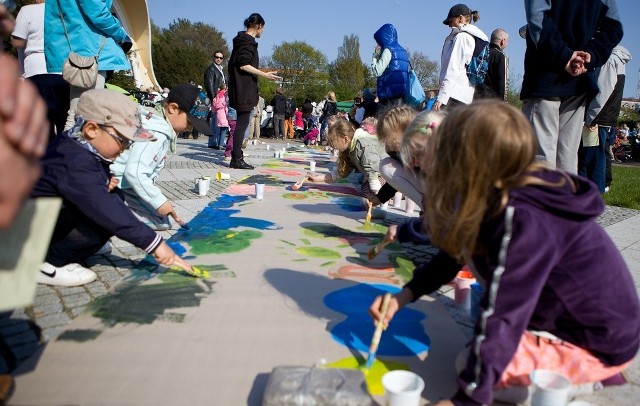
178 220
376 249
375 341
192 270
367 220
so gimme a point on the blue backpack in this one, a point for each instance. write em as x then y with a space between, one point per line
479 64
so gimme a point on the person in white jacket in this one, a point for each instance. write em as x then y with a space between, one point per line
455 88
137 168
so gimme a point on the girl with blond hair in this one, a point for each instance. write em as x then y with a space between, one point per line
530 235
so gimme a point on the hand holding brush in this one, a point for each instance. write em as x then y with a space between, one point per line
377 334
388 238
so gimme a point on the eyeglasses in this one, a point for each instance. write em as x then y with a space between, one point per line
219 57
125 143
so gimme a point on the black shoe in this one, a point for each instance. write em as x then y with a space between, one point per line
239 164
213 147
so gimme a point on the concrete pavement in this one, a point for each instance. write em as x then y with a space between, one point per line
54 308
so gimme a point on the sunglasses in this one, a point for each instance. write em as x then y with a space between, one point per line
219 57
125 143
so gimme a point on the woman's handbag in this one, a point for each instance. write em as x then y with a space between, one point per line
415 93
77 70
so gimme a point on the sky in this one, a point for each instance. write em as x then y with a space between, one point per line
323 24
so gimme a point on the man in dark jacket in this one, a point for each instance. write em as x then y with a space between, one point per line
213 78
565 40
279 104
496 82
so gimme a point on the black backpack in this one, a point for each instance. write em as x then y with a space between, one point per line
288 108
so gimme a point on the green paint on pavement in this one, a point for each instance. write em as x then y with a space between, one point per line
318 252
327 264
305 241
223 242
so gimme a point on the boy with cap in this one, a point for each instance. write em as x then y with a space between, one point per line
76 168
137 168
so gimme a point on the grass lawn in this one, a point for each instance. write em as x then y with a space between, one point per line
625 189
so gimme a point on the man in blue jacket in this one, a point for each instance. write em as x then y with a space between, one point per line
566 41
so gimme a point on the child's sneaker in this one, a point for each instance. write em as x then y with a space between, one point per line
67 275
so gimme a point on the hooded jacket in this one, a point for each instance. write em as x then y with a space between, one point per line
457 52
554 32
548 266
87 22
393 81
604 109
243 86
138 167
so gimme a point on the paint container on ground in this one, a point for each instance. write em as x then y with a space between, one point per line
312 166
476 295
203 186
550 388
222 176
267 147
402 388
463 282
276 154
410 206
287 145
259 191
397 200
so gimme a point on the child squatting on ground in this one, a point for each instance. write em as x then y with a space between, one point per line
558 294
76 168
357 150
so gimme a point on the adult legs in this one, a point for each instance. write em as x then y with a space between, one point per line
401 179
278 125
570 119
74 96
236 155
593 160
55 92
543 115
215 137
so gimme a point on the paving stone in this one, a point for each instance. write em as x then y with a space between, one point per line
53 320
76 311
97 288
66 291
79 299
47 299
43 289
47 309
52 333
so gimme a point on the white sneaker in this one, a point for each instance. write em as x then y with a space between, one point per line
606 189
67 275
104 250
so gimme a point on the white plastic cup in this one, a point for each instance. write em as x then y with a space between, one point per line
402 388
397 200
550 388
287 145
312 166
203 186
259 191
410 206
222 176
267 147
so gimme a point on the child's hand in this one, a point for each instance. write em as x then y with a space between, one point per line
165 255
397 302
373 200
316 178
392 234
165 209
113 183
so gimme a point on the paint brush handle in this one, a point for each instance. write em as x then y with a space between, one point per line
384 308
367 219
377 249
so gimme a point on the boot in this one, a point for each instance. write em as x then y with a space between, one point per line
239 164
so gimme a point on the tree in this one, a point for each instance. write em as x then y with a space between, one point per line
183 51
301 67
628 115
426 70
513 92
347 74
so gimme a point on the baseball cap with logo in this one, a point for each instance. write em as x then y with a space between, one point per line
113 109
185 96
455 11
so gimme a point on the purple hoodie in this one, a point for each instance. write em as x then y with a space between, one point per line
548 267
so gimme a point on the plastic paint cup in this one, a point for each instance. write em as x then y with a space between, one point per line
463 282
397 200
287 145
267 147
410 206
550 388
222 176
203 187
402 388
259 191
312 166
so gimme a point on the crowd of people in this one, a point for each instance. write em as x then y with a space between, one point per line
491 181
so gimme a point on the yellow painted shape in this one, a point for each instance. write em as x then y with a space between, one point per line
195 271
373 376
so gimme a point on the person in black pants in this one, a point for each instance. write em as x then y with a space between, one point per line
243 81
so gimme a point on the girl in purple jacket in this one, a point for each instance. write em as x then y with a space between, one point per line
558 294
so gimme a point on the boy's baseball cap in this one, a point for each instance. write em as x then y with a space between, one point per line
113 109
457 10
185 96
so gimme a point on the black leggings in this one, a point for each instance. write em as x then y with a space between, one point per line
238 136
